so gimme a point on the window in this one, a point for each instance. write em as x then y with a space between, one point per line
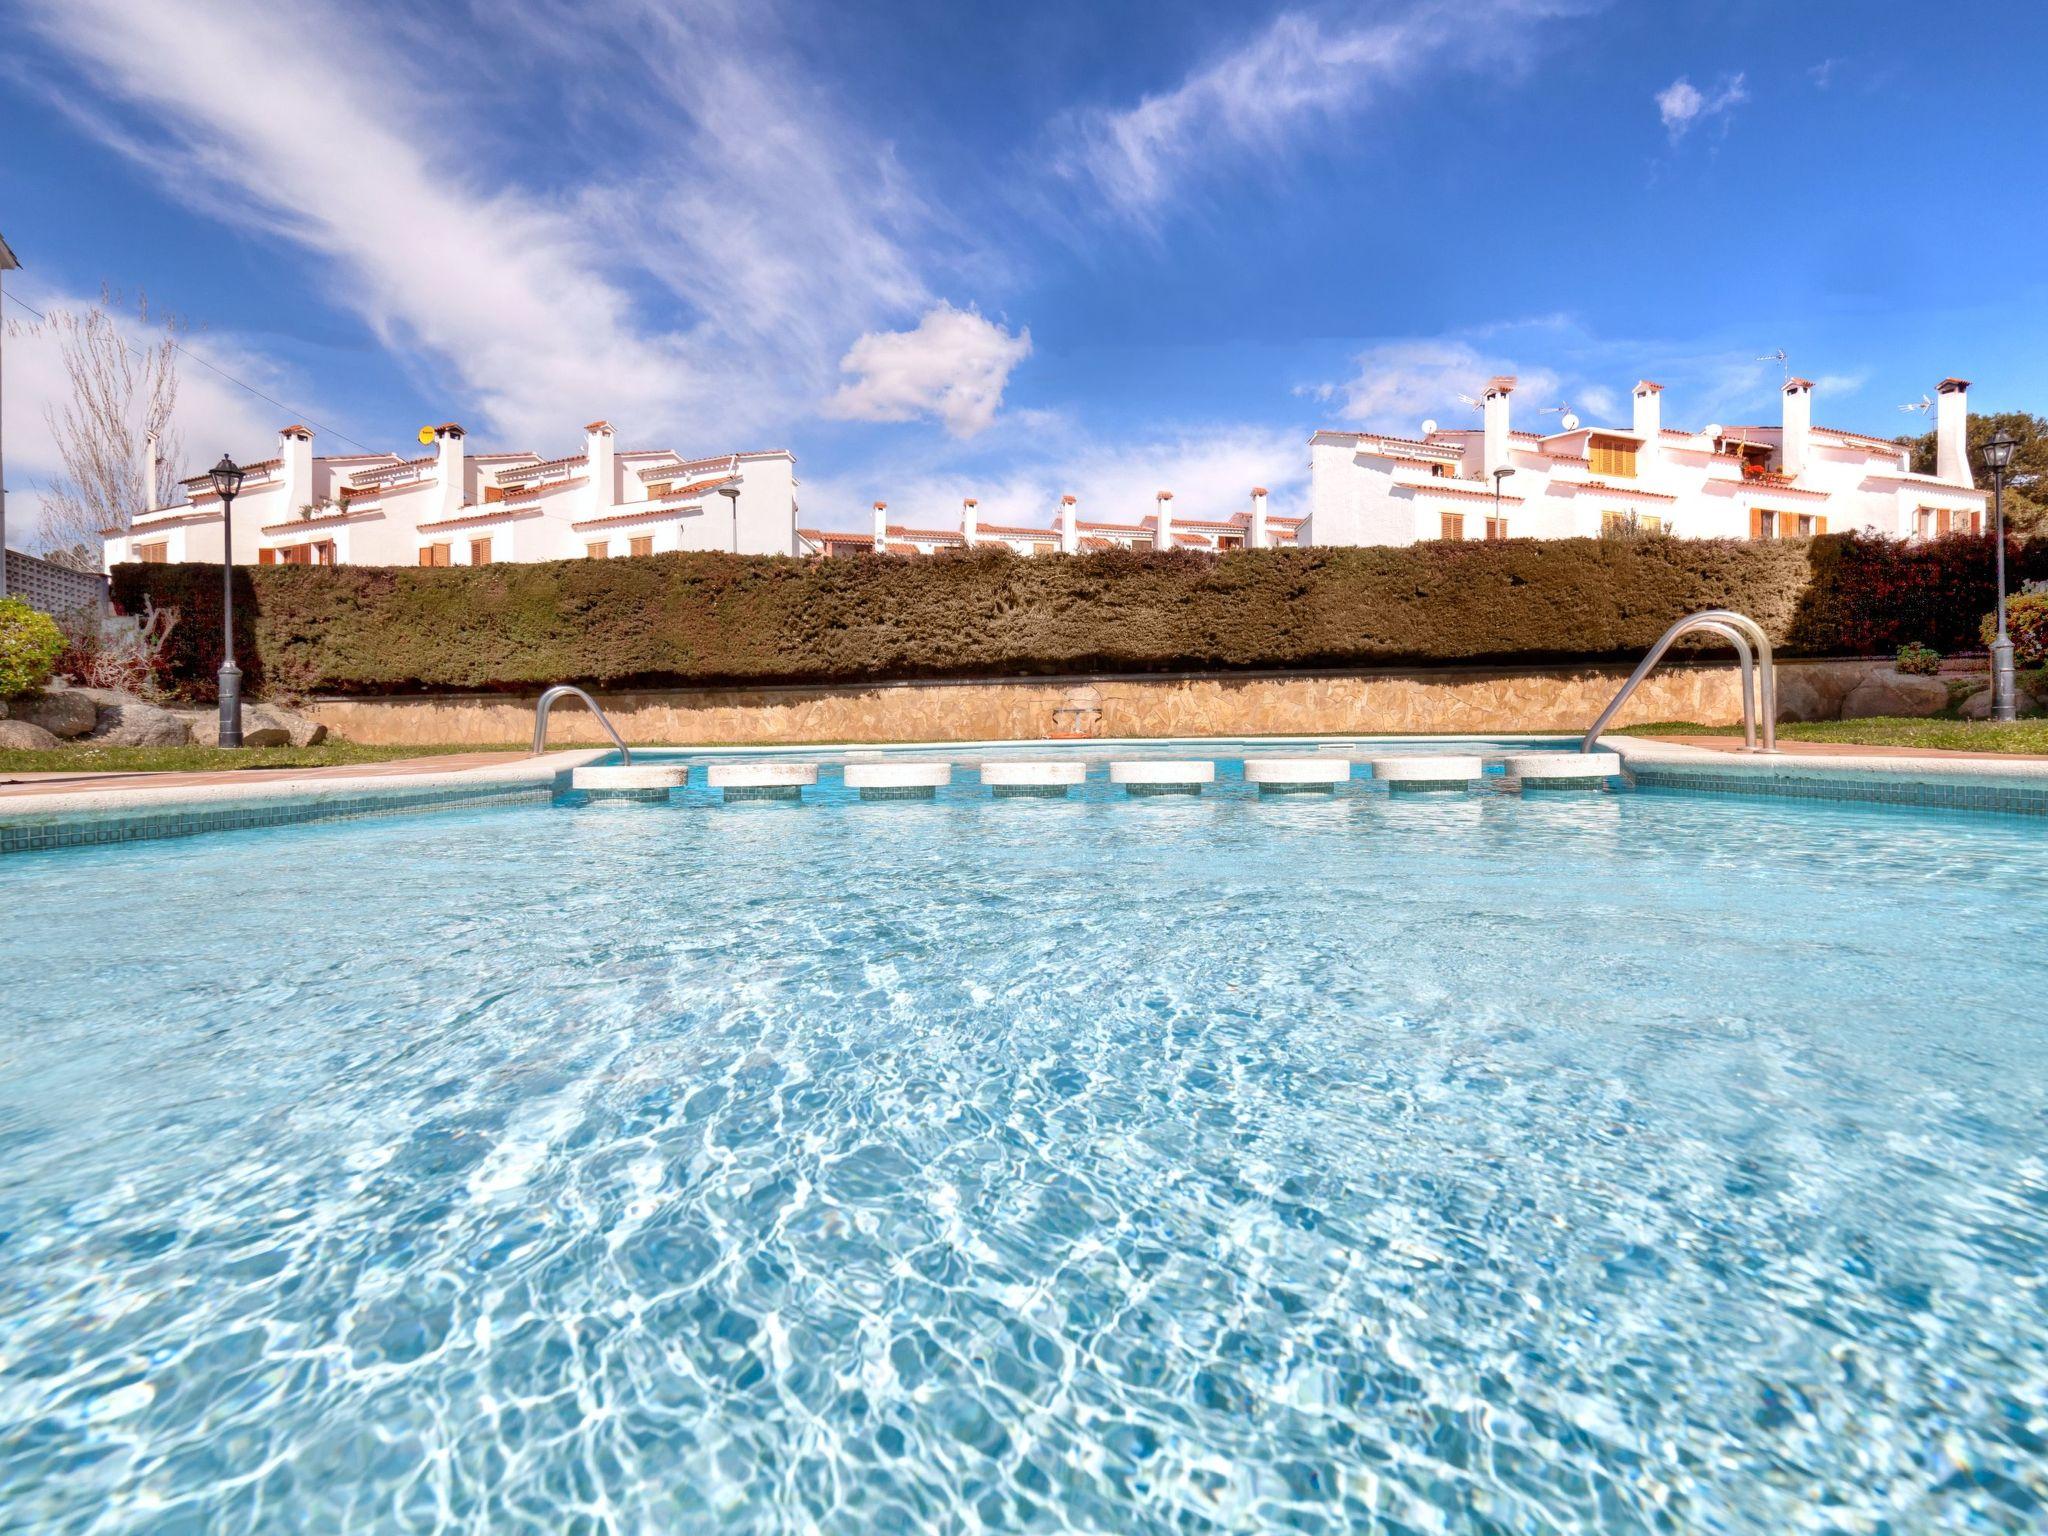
479 551
1617 524
659 489
640 544
266 556
1496 527
597 549
154 554
433 554
493 493
1613 457
1453 526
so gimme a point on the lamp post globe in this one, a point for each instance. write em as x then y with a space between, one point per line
227 483
1998 458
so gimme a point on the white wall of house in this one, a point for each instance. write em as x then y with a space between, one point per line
1721 481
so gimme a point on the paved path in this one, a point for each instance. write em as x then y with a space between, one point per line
67 783
1844 749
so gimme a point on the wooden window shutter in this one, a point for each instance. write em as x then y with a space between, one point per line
1820 525
426 554
642 544
1758 528
1452 526
266 557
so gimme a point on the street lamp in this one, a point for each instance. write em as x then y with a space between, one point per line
227 482
1499 475
1997 458
731 493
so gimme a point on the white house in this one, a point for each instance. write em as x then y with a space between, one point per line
1069 534
453 507
1787 480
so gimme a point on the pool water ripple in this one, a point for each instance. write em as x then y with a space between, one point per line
1494 1165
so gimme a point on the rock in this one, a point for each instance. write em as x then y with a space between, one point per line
1978 705
61 712
1889 692
1813 693
263 725
22 736
125 721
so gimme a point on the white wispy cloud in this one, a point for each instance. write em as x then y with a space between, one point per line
952 367
1301 72
1683 106
349 134
1396 385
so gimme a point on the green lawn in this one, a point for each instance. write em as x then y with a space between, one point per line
1882 731
212 759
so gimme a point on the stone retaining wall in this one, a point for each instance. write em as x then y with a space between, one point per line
1363 703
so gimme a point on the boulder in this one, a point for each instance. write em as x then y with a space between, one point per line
1890 692
61 712
1978 705
263 725
22 736
127 721
1813 692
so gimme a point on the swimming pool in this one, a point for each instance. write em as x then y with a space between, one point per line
1471 1163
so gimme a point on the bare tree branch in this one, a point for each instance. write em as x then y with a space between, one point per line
119 394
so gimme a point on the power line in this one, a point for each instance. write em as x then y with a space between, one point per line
238 383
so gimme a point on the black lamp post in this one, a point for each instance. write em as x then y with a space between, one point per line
227 481
1998 458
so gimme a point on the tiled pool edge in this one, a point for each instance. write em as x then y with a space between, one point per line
91 818
1984 785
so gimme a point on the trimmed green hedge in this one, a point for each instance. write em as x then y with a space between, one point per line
711 618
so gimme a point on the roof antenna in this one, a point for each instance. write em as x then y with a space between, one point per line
1923 405
1564 414
1778 357
1477 405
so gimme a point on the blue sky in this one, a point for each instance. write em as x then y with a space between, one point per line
1009 251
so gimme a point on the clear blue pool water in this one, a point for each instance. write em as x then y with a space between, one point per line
1485 1164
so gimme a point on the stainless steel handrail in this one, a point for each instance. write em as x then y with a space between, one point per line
547 702
1747 660
1728 624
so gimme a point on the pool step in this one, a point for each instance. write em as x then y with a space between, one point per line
1428 771
1044 779
1297 775
619 781
1159 776
897 781
1563 770
762 781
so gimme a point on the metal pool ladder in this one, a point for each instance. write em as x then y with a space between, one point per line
1738 630
547 702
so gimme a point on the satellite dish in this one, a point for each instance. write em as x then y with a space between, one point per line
1429 426
426 435
1714 429
1569 422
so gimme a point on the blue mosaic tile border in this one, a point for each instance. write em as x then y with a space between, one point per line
2003 799
27 835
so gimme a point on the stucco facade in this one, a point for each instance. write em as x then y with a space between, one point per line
1789 479
448 506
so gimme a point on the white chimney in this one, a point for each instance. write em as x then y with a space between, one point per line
295 448
1649 424
149 471
1162 526
1792 443
449 469
881 525
1952 431
1070 530
1496 404
1256 535
597 464
970 525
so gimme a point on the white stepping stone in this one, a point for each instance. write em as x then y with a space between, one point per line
1564 770
1429 771
646 781
762 781
897 781
1282 774
1157 776
1047 779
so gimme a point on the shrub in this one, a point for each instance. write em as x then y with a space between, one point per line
743 619
133 660
2026 621
1919 659
30 643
